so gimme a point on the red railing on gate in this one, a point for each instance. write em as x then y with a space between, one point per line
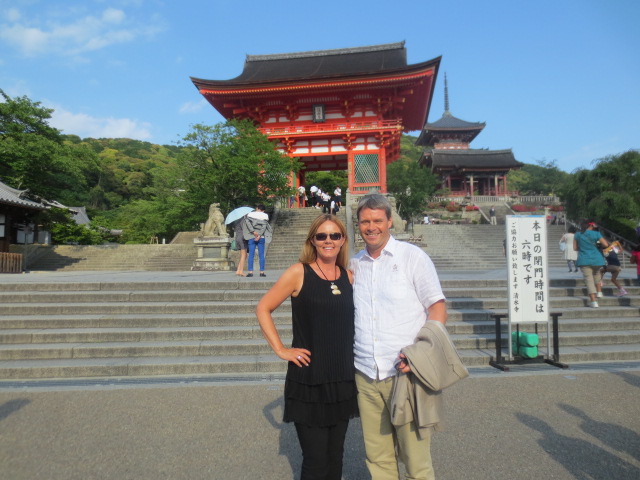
10 262
330 127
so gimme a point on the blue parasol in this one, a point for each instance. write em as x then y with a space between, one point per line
237 214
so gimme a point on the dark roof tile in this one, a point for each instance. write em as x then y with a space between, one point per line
317 64
472 158
12 196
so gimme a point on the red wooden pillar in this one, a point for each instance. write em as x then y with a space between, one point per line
350 172
382 177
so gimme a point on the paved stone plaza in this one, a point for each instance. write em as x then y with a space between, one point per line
549 423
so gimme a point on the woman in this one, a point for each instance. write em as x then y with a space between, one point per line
320 392
241 245
570 255
590 259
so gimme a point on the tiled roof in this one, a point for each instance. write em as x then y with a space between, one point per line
449 126
12 196
80 215
472 158
317 64
448 121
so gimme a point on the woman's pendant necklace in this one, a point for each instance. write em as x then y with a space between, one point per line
334 288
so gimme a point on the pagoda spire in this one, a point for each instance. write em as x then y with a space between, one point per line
446 94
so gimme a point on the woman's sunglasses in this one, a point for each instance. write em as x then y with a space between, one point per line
321 237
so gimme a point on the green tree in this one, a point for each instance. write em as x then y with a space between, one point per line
233 164
544 178
230 163
411 185
609 192
64 230
33 155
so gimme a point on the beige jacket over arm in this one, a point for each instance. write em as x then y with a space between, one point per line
435 365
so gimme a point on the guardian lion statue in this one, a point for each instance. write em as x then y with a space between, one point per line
214 227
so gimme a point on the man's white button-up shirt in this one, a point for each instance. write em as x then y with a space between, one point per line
391 294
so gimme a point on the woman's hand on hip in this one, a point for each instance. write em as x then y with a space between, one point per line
300 356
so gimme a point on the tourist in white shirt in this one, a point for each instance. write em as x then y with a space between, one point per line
337 196
314 195
396 290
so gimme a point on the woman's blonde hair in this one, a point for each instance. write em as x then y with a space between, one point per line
309 253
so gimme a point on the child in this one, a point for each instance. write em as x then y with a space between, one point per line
613 266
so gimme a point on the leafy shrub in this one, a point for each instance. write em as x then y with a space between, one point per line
523 208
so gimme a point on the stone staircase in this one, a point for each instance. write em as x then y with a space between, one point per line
477 247
452 247
155 257
290 231
206 327
162 327
502 210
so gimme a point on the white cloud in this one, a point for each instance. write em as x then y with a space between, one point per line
193 107
89 33
12 14
112 15
84 125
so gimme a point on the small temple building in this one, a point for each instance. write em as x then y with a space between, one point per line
341 109
464 171
16 209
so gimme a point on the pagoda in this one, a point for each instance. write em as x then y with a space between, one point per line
342 109
464 171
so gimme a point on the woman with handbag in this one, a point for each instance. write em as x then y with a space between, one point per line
320 394
241 245
590 258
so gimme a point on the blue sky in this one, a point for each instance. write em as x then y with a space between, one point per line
555 80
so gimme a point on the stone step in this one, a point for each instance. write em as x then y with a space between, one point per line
568 355
102 320
139 366
131 296
623 306
132 334
580 324
252 363
129 308
256 346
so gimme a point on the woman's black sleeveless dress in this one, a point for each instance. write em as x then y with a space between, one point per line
323 393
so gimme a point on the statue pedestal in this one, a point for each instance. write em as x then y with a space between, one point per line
213 254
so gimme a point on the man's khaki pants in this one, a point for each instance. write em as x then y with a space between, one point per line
381 437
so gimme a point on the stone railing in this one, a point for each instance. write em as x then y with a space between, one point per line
539 200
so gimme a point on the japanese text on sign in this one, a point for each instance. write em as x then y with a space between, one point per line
526 249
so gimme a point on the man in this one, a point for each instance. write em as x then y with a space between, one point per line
492 215
257 231
396 289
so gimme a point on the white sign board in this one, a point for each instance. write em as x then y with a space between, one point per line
526 249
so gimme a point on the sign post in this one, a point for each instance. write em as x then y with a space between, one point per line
528 287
